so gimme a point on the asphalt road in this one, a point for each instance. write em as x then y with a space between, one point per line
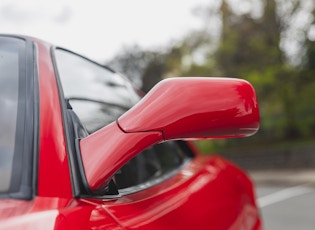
286 199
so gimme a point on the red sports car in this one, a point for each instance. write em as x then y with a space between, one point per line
80 148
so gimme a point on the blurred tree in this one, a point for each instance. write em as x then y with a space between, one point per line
136 63
251 48
247 43
306 84
147 67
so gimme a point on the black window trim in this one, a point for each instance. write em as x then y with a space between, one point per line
78 180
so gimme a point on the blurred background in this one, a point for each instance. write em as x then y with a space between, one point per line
270 43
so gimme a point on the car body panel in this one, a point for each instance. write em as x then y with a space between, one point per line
54 213
163 206
191 200
53 165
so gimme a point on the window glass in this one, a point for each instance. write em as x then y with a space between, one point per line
9 84
149 166
96 94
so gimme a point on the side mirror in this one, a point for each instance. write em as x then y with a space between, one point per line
176 108
196 108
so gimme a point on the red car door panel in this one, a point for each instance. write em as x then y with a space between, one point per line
200 195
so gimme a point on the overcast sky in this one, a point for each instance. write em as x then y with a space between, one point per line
100 28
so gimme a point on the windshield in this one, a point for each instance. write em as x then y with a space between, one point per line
13 100
9 81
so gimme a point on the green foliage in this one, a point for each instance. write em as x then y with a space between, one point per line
250 49
211 146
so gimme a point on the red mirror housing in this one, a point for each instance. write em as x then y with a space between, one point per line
196 108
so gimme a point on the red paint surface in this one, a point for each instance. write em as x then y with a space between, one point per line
53 172
54 213
203 195
210 107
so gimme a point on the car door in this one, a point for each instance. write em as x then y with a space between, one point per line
200 195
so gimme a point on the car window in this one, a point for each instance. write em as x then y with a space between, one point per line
96 94
151 166
99 96
15 146
9 81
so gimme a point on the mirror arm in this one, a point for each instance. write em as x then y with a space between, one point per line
101 160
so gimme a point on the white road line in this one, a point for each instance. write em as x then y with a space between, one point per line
284 195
